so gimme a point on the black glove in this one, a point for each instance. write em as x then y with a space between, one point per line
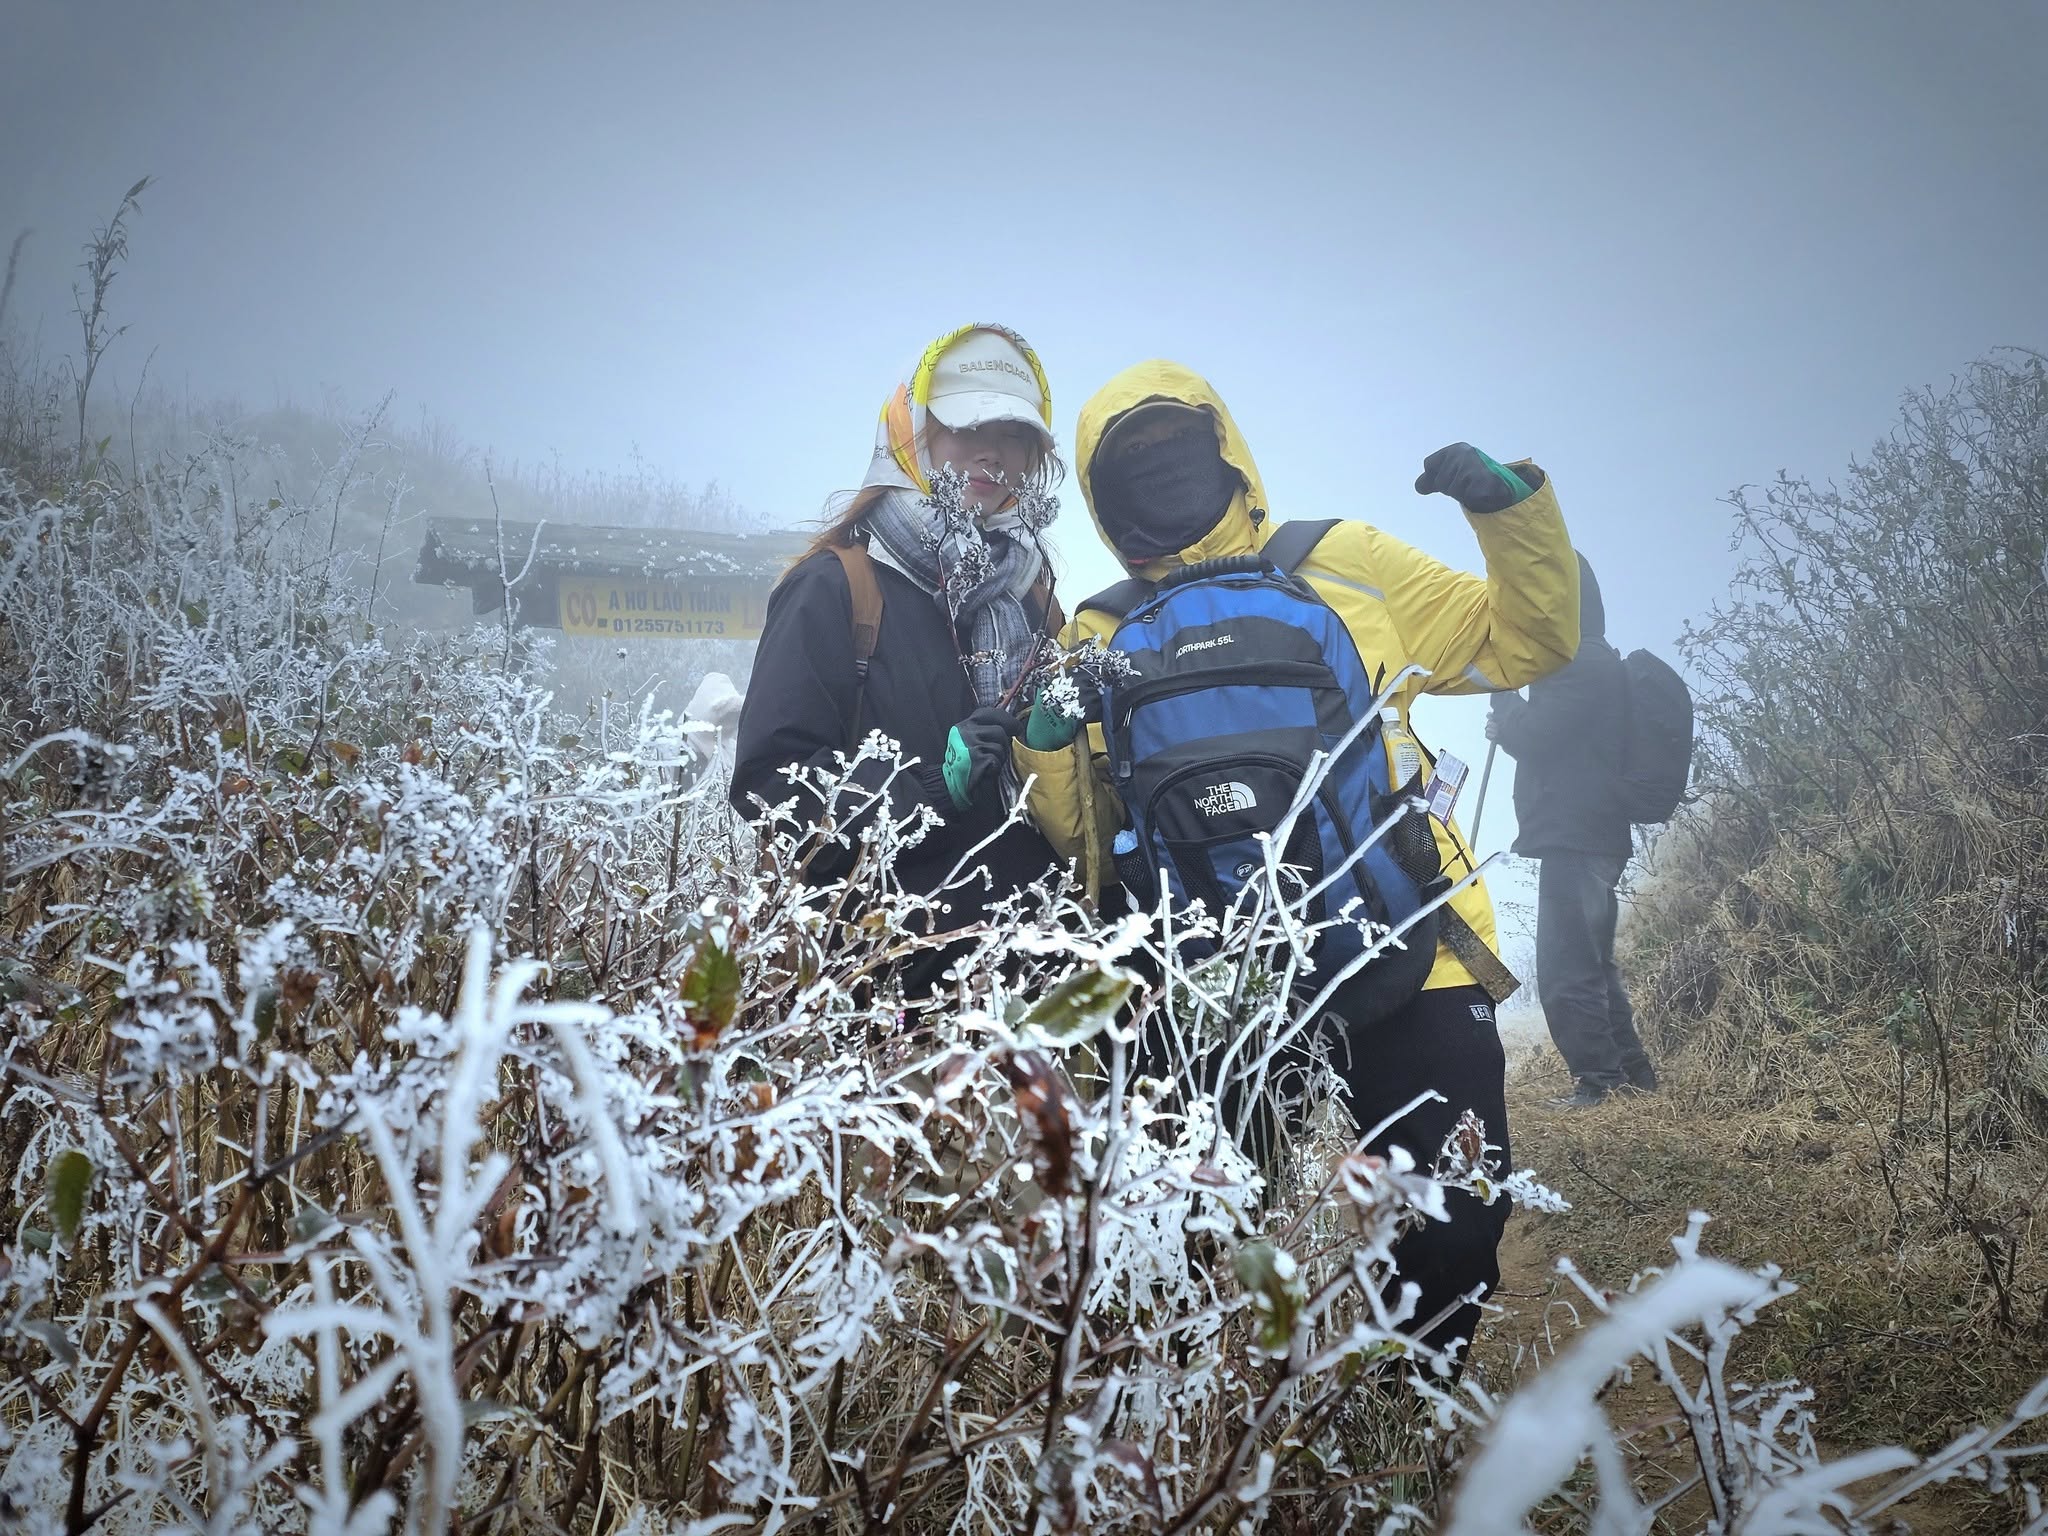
1476 482
975 749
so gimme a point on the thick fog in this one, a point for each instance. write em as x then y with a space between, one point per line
1664 251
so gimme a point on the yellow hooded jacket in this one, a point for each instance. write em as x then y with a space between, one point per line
1473 634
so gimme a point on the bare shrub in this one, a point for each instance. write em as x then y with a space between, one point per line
1846 928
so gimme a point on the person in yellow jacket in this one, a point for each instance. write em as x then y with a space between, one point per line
1170 483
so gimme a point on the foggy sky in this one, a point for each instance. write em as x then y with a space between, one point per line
1663 249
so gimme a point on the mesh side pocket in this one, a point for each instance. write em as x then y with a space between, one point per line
1414 844
1135 868
1195 866
1304 853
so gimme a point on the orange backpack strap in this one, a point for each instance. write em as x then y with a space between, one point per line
866 592
1049 604
1052 619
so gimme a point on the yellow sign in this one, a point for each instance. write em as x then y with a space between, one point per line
662 610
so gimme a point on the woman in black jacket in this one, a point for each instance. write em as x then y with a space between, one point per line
949 526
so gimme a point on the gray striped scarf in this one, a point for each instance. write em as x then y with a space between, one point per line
981 573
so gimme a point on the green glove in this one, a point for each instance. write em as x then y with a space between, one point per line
975 750
1047 730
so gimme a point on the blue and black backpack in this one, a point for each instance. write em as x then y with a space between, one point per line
1238 675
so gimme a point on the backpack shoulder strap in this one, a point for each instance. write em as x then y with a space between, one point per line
866 593
1287 547
1293 541
1119 600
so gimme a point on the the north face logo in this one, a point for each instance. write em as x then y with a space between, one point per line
1221 799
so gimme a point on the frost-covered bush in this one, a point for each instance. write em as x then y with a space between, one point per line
422 1110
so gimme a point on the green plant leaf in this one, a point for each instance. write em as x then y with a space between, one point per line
711 990
1080 1007
998 1270
70 1182
1277 1290
265 1014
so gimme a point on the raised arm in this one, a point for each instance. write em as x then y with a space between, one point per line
1518 622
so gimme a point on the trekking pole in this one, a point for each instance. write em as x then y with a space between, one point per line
1479 809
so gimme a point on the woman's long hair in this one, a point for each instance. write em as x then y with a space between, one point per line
843 512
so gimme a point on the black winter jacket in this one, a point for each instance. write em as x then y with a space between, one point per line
1566 739
799 709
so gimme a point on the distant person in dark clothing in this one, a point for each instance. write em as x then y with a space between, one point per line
1566 739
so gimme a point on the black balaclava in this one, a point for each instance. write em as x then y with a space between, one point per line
1159 498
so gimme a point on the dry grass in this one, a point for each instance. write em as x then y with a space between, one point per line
1860 1098
1874 1131
1840 958
1901 1343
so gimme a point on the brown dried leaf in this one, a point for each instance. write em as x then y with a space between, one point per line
298 987
1471 1139
1042 1105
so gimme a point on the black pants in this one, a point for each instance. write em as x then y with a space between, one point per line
1584 1002
1446 1040
1443 1040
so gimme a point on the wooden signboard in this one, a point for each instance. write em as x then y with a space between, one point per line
614 583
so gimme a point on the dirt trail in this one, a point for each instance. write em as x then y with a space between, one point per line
1623 1217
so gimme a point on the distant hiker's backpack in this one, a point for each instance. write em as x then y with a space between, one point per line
1239 674
1656 754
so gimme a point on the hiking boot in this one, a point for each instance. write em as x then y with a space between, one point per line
1584 1096
1641 1075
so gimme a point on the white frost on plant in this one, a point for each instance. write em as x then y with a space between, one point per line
1556 1419
507 1071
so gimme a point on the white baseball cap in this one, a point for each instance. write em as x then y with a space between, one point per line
986 377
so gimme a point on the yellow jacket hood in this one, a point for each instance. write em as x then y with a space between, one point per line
1243 527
